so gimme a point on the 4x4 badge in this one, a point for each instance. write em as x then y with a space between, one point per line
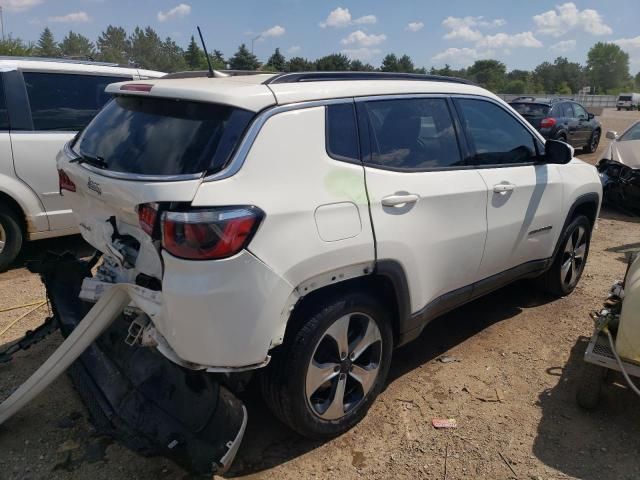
95 186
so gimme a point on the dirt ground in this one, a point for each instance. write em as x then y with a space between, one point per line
509 375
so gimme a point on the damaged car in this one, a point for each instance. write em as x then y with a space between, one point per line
295 226
619 168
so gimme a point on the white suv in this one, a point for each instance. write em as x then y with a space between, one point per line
309 223
43 103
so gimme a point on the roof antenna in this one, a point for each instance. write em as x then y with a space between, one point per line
206 54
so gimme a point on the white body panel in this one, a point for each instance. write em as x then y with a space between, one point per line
523 221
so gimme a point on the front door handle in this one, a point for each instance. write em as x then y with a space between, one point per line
503 188
400 199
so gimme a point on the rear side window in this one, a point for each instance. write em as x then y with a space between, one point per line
412 134
498 138
4 115
159 136
567 110
61 101
342 134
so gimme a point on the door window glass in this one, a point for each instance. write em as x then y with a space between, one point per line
580 112
4 116
342 134
61 101
498 138
567 110
412 134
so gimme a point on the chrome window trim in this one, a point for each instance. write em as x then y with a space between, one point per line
249 138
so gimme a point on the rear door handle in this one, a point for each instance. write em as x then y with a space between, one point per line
503 188
399 199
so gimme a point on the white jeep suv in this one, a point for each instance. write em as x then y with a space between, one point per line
309 223
43 103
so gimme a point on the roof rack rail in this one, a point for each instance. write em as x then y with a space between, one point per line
75 59
216 73
295 77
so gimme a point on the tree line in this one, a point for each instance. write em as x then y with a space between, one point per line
606 69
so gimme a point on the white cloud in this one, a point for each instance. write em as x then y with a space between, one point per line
341 17
361 53
275 31
468 28
414 26
505 40
20 5
75 17
459 57
178 11
362 39
564 46
294 49
567 17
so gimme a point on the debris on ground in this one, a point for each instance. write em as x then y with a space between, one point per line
444 423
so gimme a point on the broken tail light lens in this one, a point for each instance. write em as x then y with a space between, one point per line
147 215
209 234
547 122
64 182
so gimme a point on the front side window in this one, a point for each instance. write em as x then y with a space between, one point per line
580 112
567 110
342 133
412 134
62 101
496 136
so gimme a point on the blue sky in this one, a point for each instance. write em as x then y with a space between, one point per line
520 33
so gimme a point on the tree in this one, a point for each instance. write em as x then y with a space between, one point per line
276 62
488 73
299 64
113 45
171 58
607 67
15 47
389 63
47 46
358 66
217 60
146 46
336 62
405 64
637 80
515 86
244 60
76 45
194 56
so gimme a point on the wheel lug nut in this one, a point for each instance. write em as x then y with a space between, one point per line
343 355
336 368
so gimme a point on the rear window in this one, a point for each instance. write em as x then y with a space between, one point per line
157 136
531 109
62 101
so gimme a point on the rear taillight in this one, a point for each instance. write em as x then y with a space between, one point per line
147 214
65 182
547 122
209 234
137 87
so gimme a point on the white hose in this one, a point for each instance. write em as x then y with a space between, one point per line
632 386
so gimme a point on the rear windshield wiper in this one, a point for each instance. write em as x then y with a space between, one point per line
95 161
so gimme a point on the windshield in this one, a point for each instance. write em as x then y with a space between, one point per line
624 98
531 109
632 134
158 136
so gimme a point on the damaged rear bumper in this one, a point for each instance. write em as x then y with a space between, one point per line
133 393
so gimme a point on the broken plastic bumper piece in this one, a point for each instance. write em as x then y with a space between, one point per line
133 393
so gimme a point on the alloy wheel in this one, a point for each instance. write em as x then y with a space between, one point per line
3 238
595 139
344 366
573 257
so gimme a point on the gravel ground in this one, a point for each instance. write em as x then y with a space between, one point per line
511 388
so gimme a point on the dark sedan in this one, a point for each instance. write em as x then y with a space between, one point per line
561 119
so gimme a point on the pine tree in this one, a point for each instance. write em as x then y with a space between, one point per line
114 46
276 62
194 56
47 46
244 60
76 45
217 60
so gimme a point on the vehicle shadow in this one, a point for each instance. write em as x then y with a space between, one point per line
36 250
268 443
592 445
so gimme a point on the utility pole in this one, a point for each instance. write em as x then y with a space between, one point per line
253 40
2 22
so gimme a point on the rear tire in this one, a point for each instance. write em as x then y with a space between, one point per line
11 237
565 272
590 385
309 387
592 146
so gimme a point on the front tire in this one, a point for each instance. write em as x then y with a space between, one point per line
565 272
331 367
592 146
11 237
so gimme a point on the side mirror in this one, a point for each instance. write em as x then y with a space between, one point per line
591 116
557 152
612 135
